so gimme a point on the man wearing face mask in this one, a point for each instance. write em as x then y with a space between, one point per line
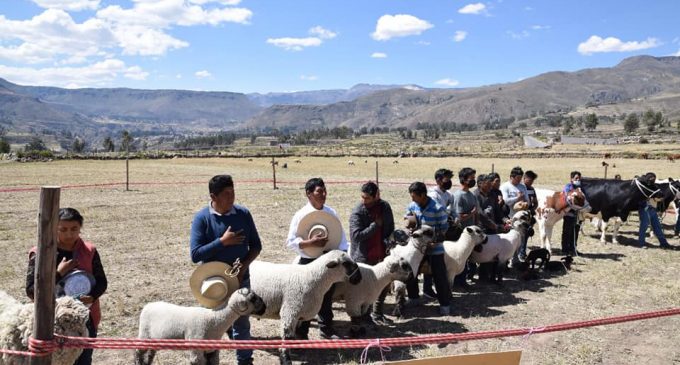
513 191
443 197
467 209
571 226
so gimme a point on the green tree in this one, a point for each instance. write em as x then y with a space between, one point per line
78 145
108 145
590 123
659 120
649 119
631 124
36 144
126 143
4 146
568 124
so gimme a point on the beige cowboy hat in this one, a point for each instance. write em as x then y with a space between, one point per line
320 221
213 283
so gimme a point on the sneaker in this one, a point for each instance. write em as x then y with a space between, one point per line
429 294
444 310
329 334
643 246
412 302
380 319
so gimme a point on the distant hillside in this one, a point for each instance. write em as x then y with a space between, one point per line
633 78
321 97
145 105
25 113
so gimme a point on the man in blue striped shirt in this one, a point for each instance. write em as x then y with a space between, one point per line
428 212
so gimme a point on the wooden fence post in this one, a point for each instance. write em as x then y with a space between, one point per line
274 172
127 167
376 173
45 264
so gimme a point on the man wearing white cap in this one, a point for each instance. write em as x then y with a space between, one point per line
316 229
224 232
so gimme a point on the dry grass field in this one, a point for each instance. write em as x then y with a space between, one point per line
143 235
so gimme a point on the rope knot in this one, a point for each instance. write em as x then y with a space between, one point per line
374 343
41 347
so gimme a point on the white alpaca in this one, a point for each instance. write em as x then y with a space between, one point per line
170 321
294 293
16 326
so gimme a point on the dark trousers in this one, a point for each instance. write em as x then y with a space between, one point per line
85 358
570 229
440 277
325 313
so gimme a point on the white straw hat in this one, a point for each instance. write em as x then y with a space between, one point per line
213 283
320 221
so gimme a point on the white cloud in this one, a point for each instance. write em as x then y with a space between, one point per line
51 35
298 44
202 74
476 9
71 5
143 41
596 44
423 43
97 74
400 25
676 54
460 35
178 76
540 27
309 77
223 2
447 82
528 8
518 35
379 55
322 33
295 44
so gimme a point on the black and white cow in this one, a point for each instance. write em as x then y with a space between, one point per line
670 190
617 198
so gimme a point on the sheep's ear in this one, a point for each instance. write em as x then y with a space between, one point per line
332 264
469 230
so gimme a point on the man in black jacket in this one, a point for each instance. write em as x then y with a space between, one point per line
370 224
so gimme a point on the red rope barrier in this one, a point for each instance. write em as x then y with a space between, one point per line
40 348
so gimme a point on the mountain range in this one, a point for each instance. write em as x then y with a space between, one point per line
653 80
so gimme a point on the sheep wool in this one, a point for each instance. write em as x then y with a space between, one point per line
16 326
170 321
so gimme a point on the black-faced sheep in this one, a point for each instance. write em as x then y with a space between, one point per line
170 321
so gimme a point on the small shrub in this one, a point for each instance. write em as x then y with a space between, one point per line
644 140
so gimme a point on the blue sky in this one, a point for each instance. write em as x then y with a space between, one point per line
263 46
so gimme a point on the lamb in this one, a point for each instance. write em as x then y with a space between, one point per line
170 321
294 293
358 299
500 248
456 253
413 251
16 326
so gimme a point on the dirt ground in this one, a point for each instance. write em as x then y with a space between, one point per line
142 236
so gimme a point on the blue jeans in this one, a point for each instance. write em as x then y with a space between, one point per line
240 330
647 215
677 218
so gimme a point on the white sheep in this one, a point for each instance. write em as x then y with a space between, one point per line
359 298
169 321
413 252
294 293
16 326
456 253
500 248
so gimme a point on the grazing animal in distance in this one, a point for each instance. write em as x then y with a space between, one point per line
395 162
298 161
350 163
285 165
